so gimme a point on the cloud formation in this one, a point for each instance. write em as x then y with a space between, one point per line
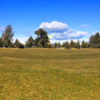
70 34
54 26
60 31
2 28
84 26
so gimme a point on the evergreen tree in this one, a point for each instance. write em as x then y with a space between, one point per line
17 43
67 45
59 45
7 36
63 45
12 45
55 45
86 45
96 37
75 45
78 44
72 44
21 45
29 42
83 44
94 41
42 37
1 43
36 42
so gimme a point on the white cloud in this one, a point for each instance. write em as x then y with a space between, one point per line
61 33
70 34
85 26
54 26
2 28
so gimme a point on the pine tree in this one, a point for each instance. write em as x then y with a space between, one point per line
63 45
67 45
30 42
86 45
7 36
72 44
59 45
83 44
43 39
55 45
78 44
17 43
94 41
1 43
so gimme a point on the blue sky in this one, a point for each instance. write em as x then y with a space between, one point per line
63 19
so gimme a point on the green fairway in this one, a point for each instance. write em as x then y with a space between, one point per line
49 74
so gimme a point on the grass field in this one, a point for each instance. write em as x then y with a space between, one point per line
49 74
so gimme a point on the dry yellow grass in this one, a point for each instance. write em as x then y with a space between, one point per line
49 74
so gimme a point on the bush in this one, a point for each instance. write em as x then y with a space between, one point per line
20 45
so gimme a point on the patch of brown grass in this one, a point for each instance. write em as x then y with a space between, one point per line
10 58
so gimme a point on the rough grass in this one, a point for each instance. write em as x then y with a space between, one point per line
49 74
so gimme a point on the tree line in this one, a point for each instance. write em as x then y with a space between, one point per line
42 41
94 42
